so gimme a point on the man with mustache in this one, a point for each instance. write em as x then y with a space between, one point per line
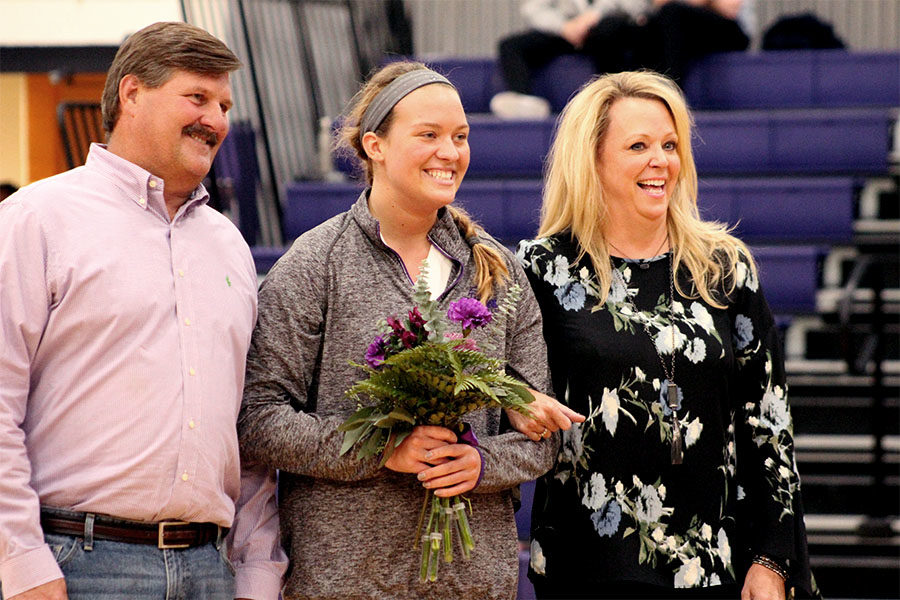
127 306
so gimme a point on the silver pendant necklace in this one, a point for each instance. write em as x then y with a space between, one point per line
668 370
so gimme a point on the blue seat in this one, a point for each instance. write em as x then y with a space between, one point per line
310 203
727 81
794 79
790 276
787 210
236 167
856 141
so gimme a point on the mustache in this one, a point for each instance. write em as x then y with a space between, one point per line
207 134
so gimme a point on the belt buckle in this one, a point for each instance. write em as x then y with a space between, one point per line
161 544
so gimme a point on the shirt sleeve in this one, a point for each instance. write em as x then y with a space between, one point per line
254 542
25 300
511 458
770 509
274 425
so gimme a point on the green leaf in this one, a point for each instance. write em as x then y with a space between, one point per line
356 419
355 435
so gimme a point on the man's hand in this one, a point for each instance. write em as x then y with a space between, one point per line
52 590
549 416
762 584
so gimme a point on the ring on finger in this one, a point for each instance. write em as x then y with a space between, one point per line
545 433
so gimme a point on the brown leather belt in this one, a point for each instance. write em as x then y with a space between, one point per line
163 535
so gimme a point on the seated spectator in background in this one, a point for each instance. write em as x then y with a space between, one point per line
6 190
128 306
617 35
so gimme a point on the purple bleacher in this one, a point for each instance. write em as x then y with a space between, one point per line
833 141
508 209
797 78
561 78
236 164
789 276
508 148
264 257
796 209
473 78
310 203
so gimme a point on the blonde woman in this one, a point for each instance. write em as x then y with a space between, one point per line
682 481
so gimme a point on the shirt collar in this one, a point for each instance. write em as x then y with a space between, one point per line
138 184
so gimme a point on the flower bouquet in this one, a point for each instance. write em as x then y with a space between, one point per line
420 373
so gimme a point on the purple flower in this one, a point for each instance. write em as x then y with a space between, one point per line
416 320
470 313
376 351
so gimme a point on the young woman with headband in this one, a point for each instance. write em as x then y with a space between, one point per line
349 525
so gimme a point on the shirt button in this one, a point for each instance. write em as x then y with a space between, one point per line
180 273
192 371
187 321
184 476
142 201
152 183
191 424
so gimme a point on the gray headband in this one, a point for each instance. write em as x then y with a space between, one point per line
393 93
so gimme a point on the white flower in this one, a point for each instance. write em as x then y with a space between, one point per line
693 432
690 574
774 412
662 491
706 532
609 408
714 579
784 472
595 496
658 535
671 544
626 310
702 316
678 308
649 506
538 562
740 493
558 271
616 290
740 274
669 339
639 374
572 444
696 350
779 393
723 547
636 481
656 385
754 422
584 273
620 488
770 464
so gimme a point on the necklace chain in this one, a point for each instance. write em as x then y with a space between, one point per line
662 244
668 370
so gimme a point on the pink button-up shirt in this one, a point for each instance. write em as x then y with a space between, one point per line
123 338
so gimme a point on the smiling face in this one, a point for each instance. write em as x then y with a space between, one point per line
638 163
174 130
420 162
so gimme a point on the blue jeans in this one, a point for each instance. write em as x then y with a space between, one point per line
121 571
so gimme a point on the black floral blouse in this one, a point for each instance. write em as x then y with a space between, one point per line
615 508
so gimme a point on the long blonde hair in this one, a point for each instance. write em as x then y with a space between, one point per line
574 198
490 268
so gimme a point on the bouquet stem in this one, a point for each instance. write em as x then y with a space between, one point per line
445 516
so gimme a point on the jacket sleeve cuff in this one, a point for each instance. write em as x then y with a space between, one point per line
35 567
257 583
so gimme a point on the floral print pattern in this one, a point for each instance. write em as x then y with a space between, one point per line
613 476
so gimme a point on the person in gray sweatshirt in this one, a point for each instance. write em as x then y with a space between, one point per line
349 525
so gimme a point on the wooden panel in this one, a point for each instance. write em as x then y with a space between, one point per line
45 151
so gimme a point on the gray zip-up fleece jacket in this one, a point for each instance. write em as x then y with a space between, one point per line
348 525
